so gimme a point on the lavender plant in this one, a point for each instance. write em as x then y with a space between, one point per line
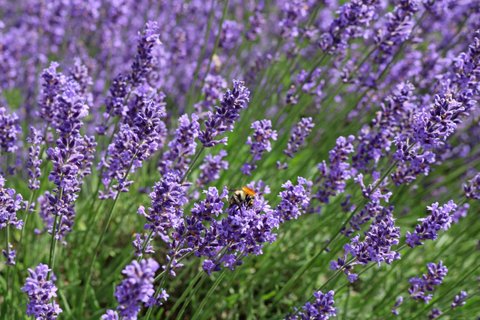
239 159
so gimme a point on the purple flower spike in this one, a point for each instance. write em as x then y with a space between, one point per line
440 217
295 199
182 147
376 246
231 34
137 287
321 309
166 213
459 300
300 132
211 168
110 315
10 203
352 17
33 162
333 176
144 60
421 286
223 118
434 314
41 294
141 133
472 188
9 130
259 143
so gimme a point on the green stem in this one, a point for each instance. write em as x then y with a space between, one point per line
7 242
53 242
209 293
96 251
192 284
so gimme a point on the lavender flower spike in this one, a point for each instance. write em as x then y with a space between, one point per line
166 213
321 309
439 218
472 188
223 118
259 143
10 203
41 294
9 130
33 162
459 300
295 199
298 135
110 315
421 286
333 176
136 289
376 247
211 168
182 147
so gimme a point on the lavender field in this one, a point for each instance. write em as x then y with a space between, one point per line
226 159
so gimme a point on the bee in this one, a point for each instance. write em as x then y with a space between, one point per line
244 196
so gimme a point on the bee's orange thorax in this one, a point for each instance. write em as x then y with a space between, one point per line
248 191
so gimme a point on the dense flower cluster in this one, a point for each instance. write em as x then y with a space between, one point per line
397 28
135 290
211 168
376 246
41 291
421 288
9 130
352 17
165 214
295 199
333 176
472 188
223 118
321 309
432 125
141 133
64 106
299 133
376 139
10 203
259 142
243 231
440 217
182 147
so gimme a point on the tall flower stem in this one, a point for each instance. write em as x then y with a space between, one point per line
100 240
7 294
53 243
